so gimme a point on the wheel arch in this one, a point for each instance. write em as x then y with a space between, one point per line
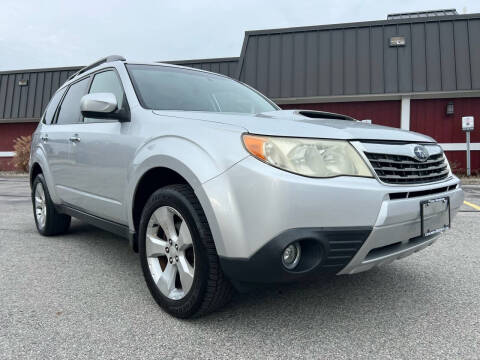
39 164
35 169
152 180
163 171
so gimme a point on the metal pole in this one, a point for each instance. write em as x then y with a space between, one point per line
468 154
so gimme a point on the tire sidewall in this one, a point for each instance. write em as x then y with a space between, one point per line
40 181
190 303
55 222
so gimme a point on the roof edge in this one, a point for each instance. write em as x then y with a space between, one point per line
19 120
76 68
378 97
363 24
194 61
41 70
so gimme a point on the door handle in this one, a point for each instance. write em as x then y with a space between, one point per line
44 138
75 138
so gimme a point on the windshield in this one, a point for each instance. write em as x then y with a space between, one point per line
169 88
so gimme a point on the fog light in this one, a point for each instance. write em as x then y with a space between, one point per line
291 255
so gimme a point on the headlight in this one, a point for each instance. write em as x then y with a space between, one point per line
308 157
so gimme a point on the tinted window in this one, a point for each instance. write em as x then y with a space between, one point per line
52 106
108 82
70 108
169 88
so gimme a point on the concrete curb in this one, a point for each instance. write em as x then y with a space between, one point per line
472 187
14 178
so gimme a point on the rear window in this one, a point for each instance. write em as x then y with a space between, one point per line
52 106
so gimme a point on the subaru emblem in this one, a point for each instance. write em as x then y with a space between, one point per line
420 152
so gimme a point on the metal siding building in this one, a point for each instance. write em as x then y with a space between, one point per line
224 66
24 103
21 106
441 54
356 68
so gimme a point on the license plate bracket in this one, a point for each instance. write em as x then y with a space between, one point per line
435 216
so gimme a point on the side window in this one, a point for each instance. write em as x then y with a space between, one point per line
70 109
108 82
52 107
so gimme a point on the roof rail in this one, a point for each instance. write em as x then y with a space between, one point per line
98 62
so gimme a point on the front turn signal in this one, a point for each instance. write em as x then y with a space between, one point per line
255 145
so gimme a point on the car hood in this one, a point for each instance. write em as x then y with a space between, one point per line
301 123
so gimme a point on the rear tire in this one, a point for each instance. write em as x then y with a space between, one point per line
48 220
179 238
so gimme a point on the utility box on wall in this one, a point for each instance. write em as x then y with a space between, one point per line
467 123
467 126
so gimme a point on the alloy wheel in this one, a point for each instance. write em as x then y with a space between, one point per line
170 252
40 205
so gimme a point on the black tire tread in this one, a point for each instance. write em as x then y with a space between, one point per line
218 290
56 223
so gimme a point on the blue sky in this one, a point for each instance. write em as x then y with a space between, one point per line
65 33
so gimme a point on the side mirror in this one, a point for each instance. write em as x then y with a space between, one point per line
99 105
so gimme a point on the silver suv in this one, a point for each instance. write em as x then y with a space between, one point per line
217 188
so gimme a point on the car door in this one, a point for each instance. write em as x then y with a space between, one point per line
50 143
55 137
101 156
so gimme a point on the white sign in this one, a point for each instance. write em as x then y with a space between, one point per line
467 123
397 41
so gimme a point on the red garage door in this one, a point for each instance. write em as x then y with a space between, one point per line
428 116
380 112
8 133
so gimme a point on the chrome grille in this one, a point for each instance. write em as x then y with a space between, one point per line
400 169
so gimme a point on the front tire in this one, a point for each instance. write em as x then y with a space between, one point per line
48 220
178 256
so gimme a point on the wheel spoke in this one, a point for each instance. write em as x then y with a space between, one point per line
168 252
164 218
166 282
39 193
184 236
186 272
40 205
155 247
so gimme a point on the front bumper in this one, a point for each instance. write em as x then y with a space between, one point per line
397 231
253 205
324 250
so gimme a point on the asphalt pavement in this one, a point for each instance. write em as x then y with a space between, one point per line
82 295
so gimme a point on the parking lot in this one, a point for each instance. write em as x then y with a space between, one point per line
82 295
